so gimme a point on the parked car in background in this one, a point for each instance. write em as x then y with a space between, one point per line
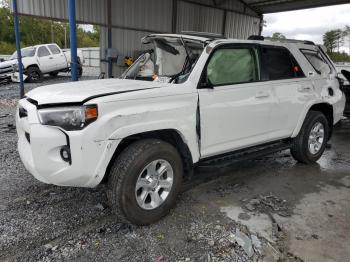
340 67
344 73
6 68
203 100
40 60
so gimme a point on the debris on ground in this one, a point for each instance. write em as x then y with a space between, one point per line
267 204
245 242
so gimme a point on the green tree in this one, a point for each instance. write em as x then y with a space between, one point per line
339 57
39 31
346 33
330 40
278 35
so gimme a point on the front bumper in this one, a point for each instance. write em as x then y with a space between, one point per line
40 147
15 77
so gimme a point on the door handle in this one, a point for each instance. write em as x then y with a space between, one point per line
305 89
262 95
51 57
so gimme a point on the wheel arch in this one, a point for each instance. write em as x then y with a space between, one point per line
324 108
171 136
33 65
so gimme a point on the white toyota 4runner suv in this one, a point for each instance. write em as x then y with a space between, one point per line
190 100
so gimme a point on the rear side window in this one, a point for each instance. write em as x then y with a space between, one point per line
280 64
54 49
233 66
317 61
42 51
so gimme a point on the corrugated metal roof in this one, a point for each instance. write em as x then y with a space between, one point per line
272 6
192 17
94 11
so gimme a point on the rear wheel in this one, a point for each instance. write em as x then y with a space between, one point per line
80 71
144 181
312 139
34 75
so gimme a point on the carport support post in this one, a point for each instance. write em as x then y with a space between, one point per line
109 37
18 47
73 39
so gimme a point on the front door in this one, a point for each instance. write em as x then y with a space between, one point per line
235 105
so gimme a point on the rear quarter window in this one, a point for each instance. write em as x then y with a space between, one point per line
317 61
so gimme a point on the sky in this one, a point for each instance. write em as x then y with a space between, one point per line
309 24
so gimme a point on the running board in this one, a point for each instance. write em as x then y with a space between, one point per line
244 154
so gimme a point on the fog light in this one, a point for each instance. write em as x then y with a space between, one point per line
65 154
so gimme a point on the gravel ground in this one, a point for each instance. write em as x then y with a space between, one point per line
40 222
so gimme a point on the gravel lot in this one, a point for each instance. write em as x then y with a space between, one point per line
269 209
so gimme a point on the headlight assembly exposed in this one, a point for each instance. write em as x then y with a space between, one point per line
69 118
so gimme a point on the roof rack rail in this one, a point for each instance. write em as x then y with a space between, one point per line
256 37
306 42
203 34
262 38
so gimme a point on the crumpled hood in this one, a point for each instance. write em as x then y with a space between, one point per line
81 91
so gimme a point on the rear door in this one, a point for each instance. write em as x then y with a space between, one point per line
235 108
46 60
290 86
60 59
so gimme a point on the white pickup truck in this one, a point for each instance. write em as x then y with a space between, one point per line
39 60
193 100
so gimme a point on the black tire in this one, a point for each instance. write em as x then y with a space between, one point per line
300 146
34 75
80 68
80 71
125 172
53 74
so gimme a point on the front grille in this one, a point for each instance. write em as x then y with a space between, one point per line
6 70
22 112
27 136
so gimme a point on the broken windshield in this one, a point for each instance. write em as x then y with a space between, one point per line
25 52
169 60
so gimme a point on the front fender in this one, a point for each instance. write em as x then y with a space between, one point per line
188 134
29 61
130 117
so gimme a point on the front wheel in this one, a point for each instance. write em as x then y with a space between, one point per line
144 181
34 75
311 141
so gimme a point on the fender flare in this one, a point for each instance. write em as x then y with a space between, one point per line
303 115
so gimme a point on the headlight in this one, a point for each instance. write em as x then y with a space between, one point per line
69 118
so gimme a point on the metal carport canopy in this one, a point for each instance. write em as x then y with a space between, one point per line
273 6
